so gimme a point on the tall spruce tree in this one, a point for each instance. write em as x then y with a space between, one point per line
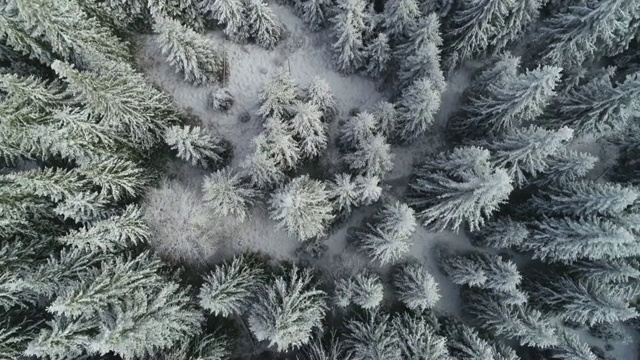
565 167
418 340
314 12
378 56
372 156
263 26
194 145
372 337
231 13
277 96
416 109
481 270
309 129
348 26
226 193
416 287
400 16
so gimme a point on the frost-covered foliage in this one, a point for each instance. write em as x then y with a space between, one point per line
117 178
502 233
226 193
348 26
277 96
613 270
571 348
220 99
309 129
567 240
498 73
288 310
565 167
364 290
263 26
213 346
524 152
378 56
83 207
464 342
372 156
357 130
180 224
188 52
331 349
400 17
418 340
319 93
231 13
386 118
481 270
584 301
280 145
185 11
458 187
262 169
369 188
194 145
230 287
345 193
415 286
314 12
302 207
372 337
386 238
523 16
416 109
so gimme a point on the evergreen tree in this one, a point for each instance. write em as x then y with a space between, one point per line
584 198
334 350
566 240
357 130
186 11
386 118
288 310
364 290
498 74
524 152
280 143
345 193
372 337
277 96
262 169
302 207
481 270
194 145
400 16
596 107
231 13
83 207
225 193
319 94
378 56
33 91
416 287
15 338
229 288
502 233
308 127
117 178
263 26
607 271
571 348
417 107
475 25
63 338
372 156
565 167
418 340
369 188
314 12
524 14
456 187
209 347
465 344
14 37
188 52
584 302
349 25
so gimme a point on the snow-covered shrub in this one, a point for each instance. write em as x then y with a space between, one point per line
221 99
194 145
416 287
302 207
225 193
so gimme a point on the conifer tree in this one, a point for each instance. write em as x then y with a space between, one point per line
416 287
229 288
280 143
185 11
372 337
188 52
524 14
288 310
386 117
524 152
357 130
502 233
372 156
263 26
83 207
319 94
364 290
302 207
465 343
481 270
458 187
500 73
308 127
571 348
225 193
63 338
314 12
231 13
418 340
333 350
607 271
566 240
209 346
14 37
378 56
194 145
344 193
369 188
565 167
15 337
400 16
262 169
417 107
348 27
118 178
277 96
43 95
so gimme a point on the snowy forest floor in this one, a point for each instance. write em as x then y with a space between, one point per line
305 55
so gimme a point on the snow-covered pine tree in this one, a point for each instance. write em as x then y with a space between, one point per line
612 333
400 17
226 193
62 338
416 109
319 94
288 310
83 207
418 340
499 73
584 198
281 146
348 27
415 286
463 342
345 193
504 106
524 14
565 167
123 14
30 90
188 52
357 130
372 156
230 287
231 13
474 27
596 107
369 188
214 346
329 349
302 207
583 301
364 290
386 118
524 152
309 129
314 12
458 187
277 96
567 240
15 38
194 145
185 11
118 178
501 233
419 56
607 271
372 337
378 56
263 25
262 169
570 347
481 270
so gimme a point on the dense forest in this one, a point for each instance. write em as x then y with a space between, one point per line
320 179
